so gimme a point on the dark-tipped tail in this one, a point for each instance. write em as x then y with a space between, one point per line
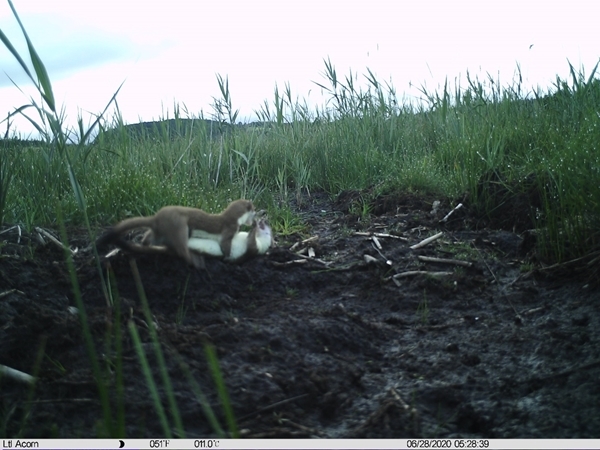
108 237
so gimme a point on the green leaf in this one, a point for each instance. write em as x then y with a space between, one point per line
79 197
213 364
84 137
33 122
10 47
38 65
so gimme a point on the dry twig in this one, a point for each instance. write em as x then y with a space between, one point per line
456 262
412 273
52 239
447 216
424 242
16 375
305 241
289 263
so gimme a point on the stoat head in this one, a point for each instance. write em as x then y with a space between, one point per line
264 236
247 218
243 210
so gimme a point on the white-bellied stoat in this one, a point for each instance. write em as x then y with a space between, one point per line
244 244
172 226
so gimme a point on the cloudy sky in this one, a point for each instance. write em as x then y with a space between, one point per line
169 52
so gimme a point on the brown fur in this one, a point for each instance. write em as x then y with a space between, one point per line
172 226
251 243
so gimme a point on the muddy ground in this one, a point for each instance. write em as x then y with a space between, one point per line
332 346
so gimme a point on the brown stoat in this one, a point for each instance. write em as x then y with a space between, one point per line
172 226
244 245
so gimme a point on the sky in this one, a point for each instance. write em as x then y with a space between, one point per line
168 53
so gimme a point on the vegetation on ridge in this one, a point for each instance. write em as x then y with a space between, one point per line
495 143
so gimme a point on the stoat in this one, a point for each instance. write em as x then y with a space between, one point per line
244 244
172 226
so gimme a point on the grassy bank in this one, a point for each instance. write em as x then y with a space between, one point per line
511 153
489 140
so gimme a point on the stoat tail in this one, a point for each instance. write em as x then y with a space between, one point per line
126 245
113 234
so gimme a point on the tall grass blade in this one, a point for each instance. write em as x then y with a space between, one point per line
160 410
206 408
113 100
12 49
118 345
6 176
213 364
79 197
35 124
162 365
38 65
87 335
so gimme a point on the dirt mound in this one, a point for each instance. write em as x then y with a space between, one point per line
402 343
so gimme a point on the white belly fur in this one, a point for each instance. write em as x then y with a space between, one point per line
211 247
208 244
204 235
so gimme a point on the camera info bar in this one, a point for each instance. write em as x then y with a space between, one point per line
150 444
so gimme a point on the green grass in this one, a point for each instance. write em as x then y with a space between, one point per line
461 137
481 139
491 140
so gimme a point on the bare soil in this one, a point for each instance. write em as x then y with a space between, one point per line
331 346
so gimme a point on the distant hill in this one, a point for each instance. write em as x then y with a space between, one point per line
10 143
176 128
171 128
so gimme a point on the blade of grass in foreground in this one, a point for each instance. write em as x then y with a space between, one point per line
118 350
35 372
213 363
6 175
137 342
158 353
87 335
44 86
55 120
208 411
